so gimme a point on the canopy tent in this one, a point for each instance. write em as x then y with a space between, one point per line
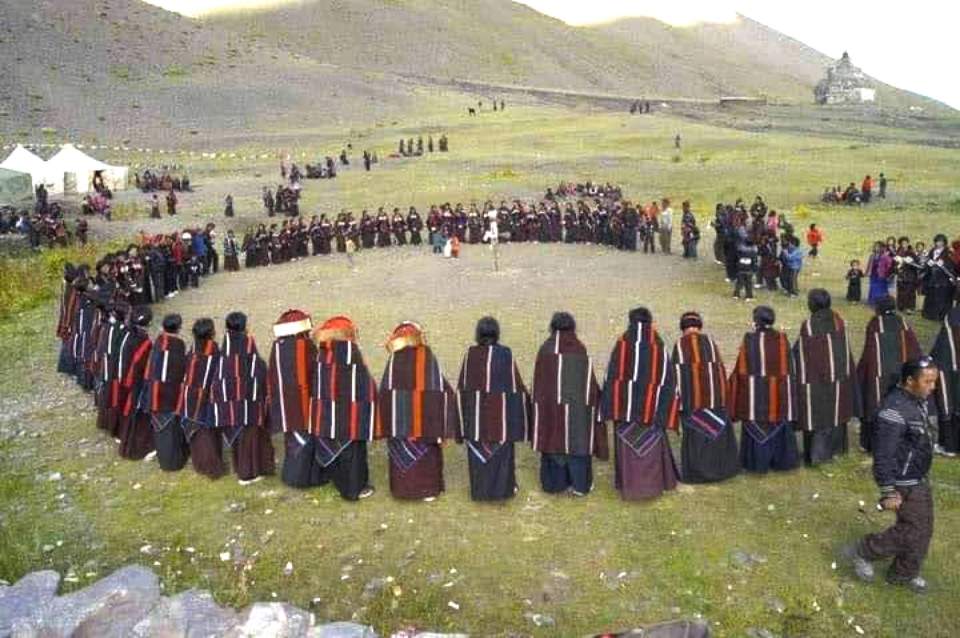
24 161
15 187
72 170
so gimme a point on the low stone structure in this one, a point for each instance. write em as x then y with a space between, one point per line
128 604
845 84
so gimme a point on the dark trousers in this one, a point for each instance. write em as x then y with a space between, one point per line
908 540
744 282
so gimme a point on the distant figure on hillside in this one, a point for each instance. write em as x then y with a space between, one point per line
228 206
676 141
883 186
443 144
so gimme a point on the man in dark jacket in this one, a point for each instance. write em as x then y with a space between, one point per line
902 456
746 266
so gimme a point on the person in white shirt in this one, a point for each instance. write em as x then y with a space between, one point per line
666 226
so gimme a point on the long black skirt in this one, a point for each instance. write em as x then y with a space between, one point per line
252 454
708 453
949 434
109 420
309 462
820 446
493 475
66 363
300 467
206 451
560 472
136 436
350 472
937 302
768 446
169 441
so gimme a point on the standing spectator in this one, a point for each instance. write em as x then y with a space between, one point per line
171 203
746 266
792 258
866 189
666 227
854 282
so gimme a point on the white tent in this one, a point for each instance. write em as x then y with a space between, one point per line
24 161
72 170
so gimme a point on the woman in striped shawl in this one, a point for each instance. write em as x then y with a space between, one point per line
709 449
567 429
494 405
160 394
69 298
889 343
136 435
946 352
238 402
109 394
828 394
289 381
640 397
418 409
761 396
195 407
85 331
343 416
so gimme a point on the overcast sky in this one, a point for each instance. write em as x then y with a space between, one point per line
913 45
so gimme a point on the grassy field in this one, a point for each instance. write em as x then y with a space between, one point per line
755 552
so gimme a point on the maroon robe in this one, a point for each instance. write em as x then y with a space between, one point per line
135 434
418 409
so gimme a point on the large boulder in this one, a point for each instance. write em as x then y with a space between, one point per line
189 614
673 629
342 630
22 600
273 620
109 608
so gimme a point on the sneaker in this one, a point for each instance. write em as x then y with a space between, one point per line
366 492
250 481
149 457
861 566
578 494
430 499
942 451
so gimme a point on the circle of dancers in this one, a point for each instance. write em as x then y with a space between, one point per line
192 397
